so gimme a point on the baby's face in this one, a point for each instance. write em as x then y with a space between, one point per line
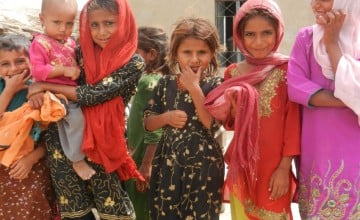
13 62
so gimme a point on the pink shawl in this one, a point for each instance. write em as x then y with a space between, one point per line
242 152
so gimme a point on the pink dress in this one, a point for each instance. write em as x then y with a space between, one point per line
330 163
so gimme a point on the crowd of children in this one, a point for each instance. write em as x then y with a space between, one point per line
165 163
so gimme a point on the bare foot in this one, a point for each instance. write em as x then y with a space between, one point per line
83 170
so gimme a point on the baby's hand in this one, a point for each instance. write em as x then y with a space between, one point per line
21 168
177 118
72 72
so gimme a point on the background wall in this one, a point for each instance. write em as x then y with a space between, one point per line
165 13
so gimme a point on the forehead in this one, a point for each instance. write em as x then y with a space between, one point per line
259 22
12 54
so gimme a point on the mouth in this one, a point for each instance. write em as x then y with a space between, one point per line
195 68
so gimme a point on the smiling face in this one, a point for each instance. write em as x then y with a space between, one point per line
259 37
194 53
320 7
13 62
103 24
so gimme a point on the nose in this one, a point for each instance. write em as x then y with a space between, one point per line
195 58
62 27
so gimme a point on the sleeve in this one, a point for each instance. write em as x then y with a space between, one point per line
347 82
121 82
215 124
292 130
152 137
300 86
40 61
155 104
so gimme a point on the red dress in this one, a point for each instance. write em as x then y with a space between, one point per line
279 136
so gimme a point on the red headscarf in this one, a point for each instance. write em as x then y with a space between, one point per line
242 153
104 137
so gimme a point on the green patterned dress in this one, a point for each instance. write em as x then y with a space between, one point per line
138 139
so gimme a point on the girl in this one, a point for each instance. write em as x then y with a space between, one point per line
188 168
152 46
53 60
323 77
24 185
253 102
108 39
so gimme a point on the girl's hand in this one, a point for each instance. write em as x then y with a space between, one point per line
34 88
190 79
21 168
332 23
72 72
176 118
279 183
36 100
145 170
17 82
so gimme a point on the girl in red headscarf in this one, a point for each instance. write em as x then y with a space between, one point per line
110 70
253 102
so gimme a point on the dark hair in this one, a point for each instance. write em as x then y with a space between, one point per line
253 13
10 42
154 38
109 5
198 28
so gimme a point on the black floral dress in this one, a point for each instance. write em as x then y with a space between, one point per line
103 191
188 167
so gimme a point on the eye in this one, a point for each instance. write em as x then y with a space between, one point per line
70 24
56 22
249 34
268 33
20 61
94 25
4 64
108 23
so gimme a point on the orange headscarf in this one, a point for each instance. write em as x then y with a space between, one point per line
104 137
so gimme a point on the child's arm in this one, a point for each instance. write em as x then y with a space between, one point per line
21 168
190 81
174 118
279 181
335 20
43 69
122 83
13 84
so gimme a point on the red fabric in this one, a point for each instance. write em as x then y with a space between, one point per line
104 137
243 152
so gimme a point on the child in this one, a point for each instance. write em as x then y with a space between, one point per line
323 77
152 46
24 185
53 60
253 102
109 74
188 167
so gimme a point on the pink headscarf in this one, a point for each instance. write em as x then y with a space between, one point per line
242 153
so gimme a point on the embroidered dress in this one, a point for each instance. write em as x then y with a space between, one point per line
138 139
75 196
29 198
330 166
188 167
279 121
